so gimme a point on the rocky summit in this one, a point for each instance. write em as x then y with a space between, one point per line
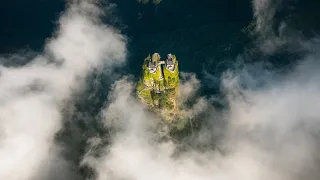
159 84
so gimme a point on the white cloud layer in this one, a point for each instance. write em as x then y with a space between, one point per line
32 96
272 132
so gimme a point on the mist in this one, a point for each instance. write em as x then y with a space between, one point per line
271 133
269 126
34 96
267 129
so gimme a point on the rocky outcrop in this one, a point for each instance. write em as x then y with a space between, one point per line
158 85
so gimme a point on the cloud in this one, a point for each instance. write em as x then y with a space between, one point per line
189 85
270 124
264 12
271 131
273 36
33 96
268 128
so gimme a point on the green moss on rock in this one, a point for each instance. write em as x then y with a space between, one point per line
159 89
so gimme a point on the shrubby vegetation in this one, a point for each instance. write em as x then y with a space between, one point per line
159 94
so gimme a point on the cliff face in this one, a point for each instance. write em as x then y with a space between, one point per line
158 85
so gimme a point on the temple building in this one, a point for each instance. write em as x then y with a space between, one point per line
152 66
170 63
